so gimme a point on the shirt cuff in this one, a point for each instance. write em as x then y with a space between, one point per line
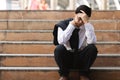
71 26
88 26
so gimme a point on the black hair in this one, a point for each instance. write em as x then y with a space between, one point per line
85 8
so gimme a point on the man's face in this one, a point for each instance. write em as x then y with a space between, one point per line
78 20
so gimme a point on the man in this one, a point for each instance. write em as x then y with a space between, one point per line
74 52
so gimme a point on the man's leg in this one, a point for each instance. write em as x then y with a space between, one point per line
85 60
63 59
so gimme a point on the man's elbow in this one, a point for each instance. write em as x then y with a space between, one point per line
62 42
91 42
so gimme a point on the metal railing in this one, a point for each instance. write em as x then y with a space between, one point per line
67 4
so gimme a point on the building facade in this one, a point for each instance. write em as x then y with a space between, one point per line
61 4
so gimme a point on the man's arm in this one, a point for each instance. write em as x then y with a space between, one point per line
64 36
90 34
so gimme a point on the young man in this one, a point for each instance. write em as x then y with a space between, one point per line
76 44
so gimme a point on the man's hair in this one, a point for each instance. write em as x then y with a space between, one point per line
85 8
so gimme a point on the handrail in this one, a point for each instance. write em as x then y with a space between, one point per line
117 4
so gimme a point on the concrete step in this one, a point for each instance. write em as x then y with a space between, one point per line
55 14
39 24
23 14
27 48
26 36
30 47
3 14
36 60
44 73
26 67
46 35
108 35
108 48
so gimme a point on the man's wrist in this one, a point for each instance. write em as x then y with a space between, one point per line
73 23
85 22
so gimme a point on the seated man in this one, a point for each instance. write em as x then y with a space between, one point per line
76 44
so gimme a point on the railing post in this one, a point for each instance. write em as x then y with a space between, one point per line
117 4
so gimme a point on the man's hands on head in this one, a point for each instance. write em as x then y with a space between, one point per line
84 16
80 19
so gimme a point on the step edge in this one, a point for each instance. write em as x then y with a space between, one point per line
55 20
50 55
50 42
55 68
50 31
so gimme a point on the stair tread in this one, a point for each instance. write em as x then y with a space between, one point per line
49 31
54 68
52 55
51 42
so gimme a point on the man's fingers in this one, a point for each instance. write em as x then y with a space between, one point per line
82 11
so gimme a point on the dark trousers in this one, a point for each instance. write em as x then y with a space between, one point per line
77 60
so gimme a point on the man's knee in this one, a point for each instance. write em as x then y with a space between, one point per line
92 47
60 49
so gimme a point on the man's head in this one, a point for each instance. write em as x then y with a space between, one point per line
84 8
82 15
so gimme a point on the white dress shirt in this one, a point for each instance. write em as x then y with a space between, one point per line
86 35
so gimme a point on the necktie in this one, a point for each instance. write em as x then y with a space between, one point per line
74 40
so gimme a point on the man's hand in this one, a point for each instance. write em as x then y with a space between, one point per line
75 21
80 19
84 16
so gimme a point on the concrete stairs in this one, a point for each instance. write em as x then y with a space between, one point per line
27 51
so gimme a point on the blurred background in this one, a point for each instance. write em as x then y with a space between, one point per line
58 4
